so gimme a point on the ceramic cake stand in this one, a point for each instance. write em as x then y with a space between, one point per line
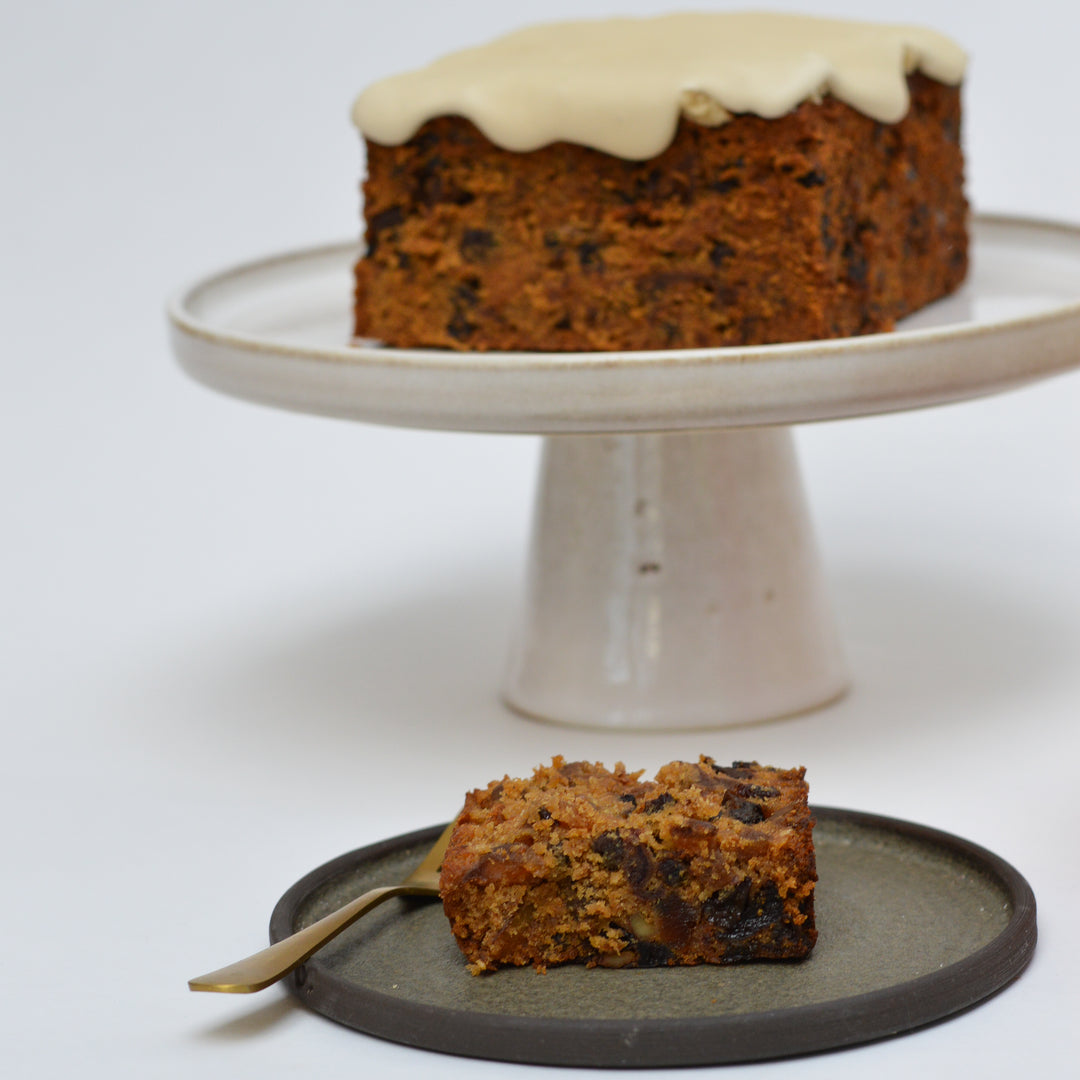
673 579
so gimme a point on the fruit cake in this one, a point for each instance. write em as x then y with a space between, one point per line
704 864
681 181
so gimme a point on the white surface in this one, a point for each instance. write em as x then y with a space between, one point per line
234 637
275 331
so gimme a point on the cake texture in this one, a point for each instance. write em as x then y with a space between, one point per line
704 864
807 214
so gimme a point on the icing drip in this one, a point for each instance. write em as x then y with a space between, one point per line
620 85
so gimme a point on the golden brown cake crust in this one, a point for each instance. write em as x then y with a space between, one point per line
704 864
821 223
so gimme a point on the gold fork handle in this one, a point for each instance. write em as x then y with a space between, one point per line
266 967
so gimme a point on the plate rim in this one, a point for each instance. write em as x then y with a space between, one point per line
646 1043
179 313
616 392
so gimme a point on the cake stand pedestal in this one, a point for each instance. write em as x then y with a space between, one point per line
673 576
673 580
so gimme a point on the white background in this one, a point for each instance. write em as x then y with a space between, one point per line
238 642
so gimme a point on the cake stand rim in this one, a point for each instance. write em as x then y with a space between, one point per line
358 381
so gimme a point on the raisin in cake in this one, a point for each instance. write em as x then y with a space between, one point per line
704 864
687 180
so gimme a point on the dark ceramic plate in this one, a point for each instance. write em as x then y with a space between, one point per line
915 925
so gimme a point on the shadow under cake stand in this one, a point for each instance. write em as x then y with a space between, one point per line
673 579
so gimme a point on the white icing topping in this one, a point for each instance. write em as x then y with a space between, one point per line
619 85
